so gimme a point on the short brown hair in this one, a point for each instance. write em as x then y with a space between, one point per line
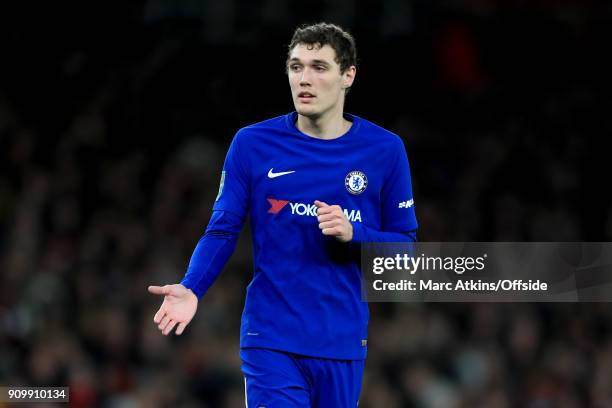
318 35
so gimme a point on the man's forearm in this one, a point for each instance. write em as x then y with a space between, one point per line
362 234
212 252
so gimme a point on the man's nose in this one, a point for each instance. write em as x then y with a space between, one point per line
305 78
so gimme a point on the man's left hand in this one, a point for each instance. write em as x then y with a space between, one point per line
332 221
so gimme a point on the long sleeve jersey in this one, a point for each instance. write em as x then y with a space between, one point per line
305 294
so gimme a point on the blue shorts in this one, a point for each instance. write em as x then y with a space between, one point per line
275 379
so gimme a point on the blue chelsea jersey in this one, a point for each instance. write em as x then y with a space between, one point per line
305 295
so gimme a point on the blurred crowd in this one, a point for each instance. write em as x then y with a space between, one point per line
113 129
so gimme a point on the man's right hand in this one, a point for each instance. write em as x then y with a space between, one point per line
179 307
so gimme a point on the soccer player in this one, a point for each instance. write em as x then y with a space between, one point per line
316 182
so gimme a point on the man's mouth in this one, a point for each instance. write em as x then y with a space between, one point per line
305 95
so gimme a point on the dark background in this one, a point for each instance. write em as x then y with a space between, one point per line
114 121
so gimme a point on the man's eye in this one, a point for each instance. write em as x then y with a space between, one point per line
294 67
319 67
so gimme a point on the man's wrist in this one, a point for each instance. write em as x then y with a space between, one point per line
192 292
191 288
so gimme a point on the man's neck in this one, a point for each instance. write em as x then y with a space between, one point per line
330 125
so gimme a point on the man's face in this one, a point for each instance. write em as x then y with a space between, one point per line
317 85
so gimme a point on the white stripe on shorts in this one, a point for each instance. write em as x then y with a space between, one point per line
246 403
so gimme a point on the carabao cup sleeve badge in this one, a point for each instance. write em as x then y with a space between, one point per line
221 184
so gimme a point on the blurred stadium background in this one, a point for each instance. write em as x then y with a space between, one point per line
114 121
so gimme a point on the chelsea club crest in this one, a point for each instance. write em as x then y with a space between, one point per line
356 182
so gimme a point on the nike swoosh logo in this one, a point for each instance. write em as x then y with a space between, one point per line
271 173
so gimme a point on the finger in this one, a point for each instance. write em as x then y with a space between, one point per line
174 290
330 209
320 204
326 217
159 315
324 210
169 328
158 290
164 323
331 231
180 328
328 224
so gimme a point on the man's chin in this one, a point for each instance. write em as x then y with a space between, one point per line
307 111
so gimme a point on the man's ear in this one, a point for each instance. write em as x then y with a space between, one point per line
348 76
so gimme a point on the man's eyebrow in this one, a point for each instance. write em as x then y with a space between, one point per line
314 61
320 62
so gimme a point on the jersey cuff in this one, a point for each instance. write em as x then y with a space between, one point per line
357 232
